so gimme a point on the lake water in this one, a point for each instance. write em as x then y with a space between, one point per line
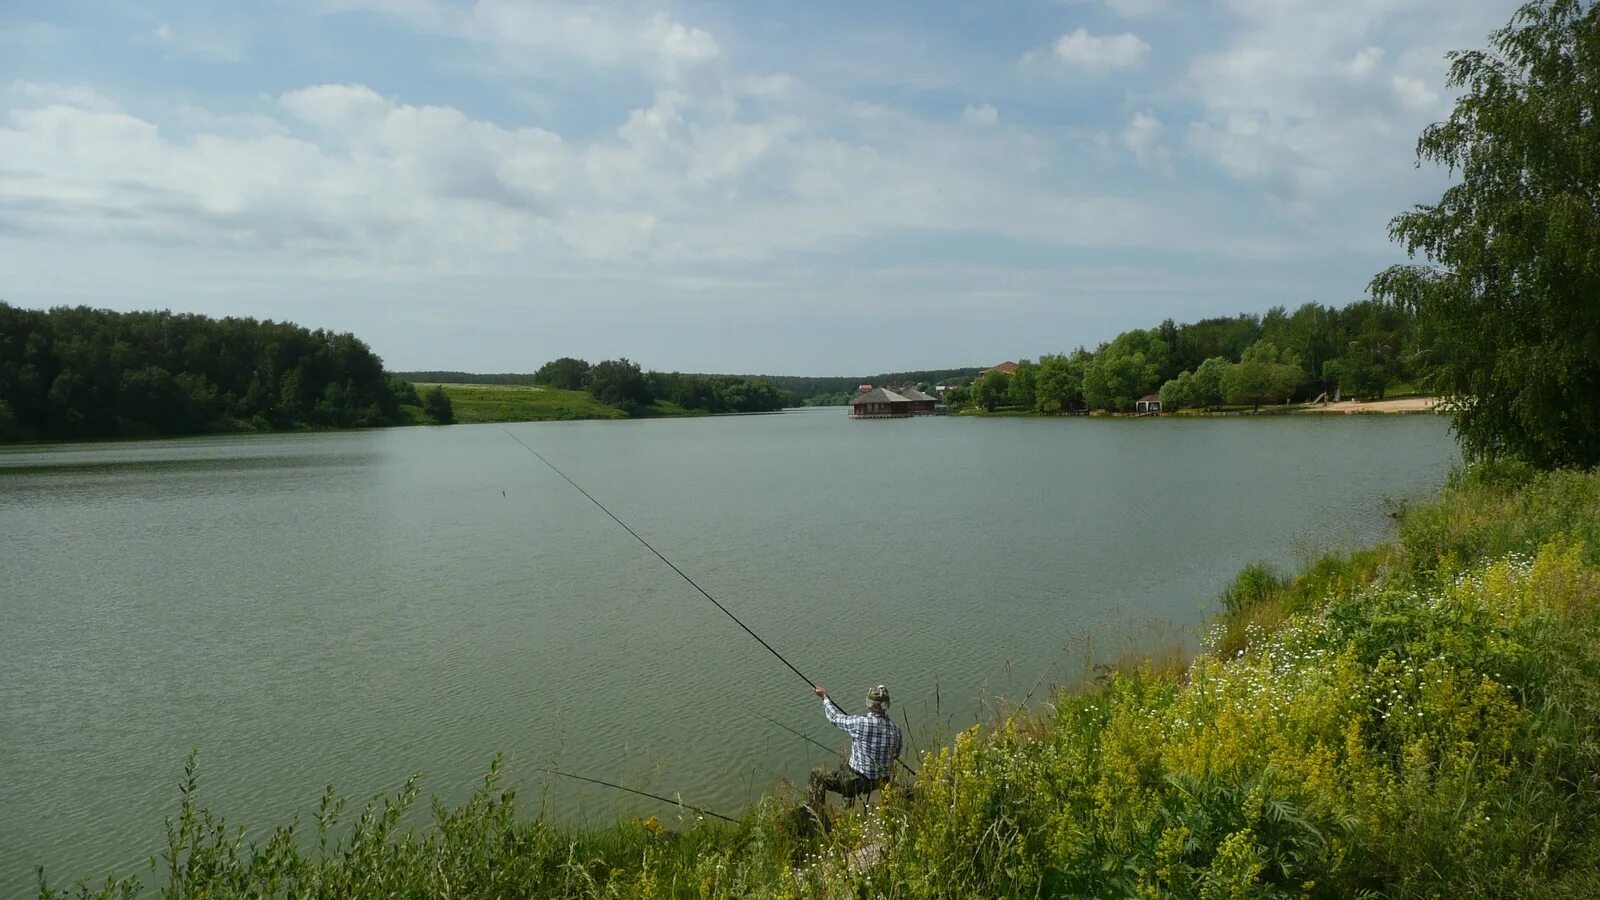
354 607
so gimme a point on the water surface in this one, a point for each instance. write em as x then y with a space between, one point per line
353 607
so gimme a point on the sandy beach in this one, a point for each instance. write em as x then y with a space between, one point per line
1402 405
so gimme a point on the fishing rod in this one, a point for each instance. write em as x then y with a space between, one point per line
704 812
799 734
669 562
684 576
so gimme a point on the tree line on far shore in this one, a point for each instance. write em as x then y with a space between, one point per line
1356 352
699 392
621 383
78 372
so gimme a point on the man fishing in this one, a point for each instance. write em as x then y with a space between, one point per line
874 747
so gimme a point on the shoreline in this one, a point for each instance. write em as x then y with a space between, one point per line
1399 406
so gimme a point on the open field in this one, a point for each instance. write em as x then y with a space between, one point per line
475 403
479 403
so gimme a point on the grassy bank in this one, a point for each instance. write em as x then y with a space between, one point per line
474 403
477 403
1418 719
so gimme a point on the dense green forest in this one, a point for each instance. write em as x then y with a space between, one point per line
1358 351
80 372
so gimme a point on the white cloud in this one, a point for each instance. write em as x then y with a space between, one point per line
983 114
336 107
37 93
1145 137
228 124
349 174
1099 54
1302 101
662 172
1365 61
1414 93
678 44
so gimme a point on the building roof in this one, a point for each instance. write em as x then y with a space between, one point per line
1008 366
1149 397
879 395
914 394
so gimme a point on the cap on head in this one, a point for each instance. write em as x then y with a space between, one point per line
878 698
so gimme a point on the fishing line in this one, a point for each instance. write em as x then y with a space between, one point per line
799 734
704 812
833 750
692 583
680 572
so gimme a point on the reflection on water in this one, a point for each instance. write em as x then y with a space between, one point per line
353 607
168 469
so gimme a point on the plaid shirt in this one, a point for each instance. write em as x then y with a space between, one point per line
874 740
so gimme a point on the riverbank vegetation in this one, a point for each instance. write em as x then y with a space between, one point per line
1360 351
617 388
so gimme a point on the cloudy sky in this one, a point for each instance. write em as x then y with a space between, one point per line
730 185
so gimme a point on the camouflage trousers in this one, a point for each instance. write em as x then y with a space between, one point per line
846 782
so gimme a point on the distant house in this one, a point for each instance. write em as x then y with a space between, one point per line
879 403
1149 403
921 404
882 403
863 387
1007 367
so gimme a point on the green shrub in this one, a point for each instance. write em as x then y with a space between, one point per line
1254 585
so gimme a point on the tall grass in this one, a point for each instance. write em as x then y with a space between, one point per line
1416 720
480 849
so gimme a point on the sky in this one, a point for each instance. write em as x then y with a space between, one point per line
821 188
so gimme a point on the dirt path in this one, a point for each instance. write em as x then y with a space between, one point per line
1404 405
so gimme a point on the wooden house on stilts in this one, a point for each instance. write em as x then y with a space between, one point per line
882 403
